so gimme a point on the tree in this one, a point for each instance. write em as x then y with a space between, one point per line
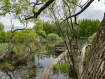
38 25
88 27
23 8
1 26
2 36
8 35
47 27
50 28
42 33
96 61
26 36
31 10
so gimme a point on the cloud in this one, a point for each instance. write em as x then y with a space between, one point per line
17 25
94 11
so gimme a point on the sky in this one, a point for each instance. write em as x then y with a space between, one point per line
94 11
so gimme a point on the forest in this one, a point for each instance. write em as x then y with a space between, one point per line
50 31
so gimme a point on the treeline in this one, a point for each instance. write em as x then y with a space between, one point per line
23 36
85 29
49 30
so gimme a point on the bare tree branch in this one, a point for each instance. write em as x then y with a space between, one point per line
76 4
88 4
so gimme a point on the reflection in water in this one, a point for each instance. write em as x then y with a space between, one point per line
60 75
37 63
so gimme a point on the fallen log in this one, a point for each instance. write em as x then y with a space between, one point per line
47 73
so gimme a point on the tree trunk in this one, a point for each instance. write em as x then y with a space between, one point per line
81 59
95 68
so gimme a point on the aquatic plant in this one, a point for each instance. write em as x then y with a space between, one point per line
61 67
55 68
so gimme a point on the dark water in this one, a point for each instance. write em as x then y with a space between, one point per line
36 65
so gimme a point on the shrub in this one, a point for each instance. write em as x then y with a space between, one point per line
42 33
53 36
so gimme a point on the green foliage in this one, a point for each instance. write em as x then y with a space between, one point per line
92 37
26 36
63 27
85 29
1 26
2 36
6 5
38 25
55 68
7 64
3 47
88 27
50 28
8 35
62 67
42 33
29 38
53 36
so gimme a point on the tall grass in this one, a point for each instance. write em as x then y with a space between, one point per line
61 67
3 47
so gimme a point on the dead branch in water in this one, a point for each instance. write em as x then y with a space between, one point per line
25 56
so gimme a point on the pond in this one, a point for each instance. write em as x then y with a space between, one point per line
36 64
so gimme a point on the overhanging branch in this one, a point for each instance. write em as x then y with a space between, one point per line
88 4
40 10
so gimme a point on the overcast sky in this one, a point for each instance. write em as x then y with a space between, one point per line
94 11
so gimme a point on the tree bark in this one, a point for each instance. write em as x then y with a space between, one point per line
95 68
